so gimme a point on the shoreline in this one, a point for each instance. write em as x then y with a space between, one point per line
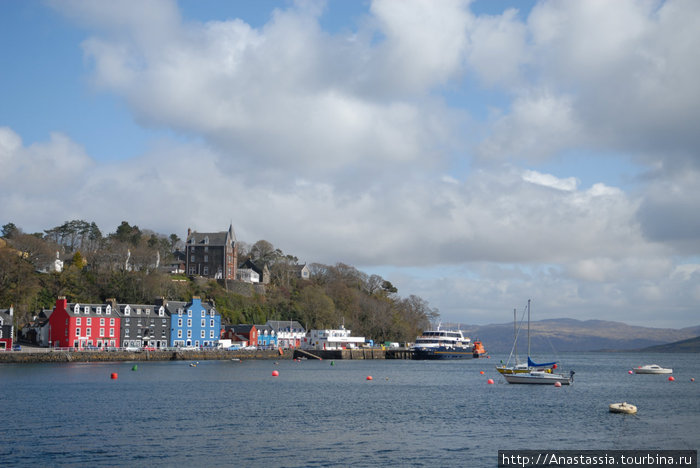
50 356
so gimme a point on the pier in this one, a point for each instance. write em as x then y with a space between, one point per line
359 353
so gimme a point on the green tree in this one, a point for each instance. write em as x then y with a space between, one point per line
9 229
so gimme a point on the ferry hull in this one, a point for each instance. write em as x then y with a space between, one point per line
443 354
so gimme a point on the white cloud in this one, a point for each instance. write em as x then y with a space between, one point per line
339 147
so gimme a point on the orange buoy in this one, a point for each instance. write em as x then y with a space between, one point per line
369 377
557 384
554 366
275 373
114 376
692 379
482 372
671 378
489 381
629 371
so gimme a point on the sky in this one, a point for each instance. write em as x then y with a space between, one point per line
474 153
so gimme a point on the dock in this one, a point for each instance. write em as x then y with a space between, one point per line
359 353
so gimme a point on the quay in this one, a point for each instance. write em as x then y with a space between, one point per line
39 355
358 353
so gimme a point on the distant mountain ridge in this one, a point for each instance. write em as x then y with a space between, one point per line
566 334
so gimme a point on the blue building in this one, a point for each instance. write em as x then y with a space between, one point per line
267 338
194 323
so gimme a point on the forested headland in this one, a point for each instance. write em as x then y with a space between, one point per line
130 263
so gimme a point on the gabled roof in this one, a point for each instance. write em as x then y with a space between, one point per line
258 267
212 238
284 325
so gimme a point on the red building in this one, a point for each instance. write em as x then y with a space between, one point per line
6 329
83 325
237 333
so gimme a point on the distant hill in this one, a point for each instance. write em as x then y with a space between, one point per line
567 334
691 345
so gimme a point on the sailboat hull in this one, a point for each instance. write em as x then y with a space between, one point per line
538 378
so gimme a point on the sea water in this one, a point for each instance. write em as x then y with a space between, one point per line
328 413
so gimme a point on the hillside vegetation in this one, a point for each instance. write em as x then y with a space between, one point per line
127 265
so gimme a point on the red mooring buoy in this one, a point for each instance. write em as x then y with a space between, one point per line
369 377
482 372
275 373
114 376
489 381
671 378
557 384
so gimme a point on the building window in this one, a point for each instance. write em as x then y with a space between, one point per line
86 310
87 331
189 312
98 310
192 258
189 323
111 333
161 312
78 320
211 323
179 322
179 333
102 322
102 332
127 311
205 270
77 332
189 333
203 335
204 323
111 321
126 332
211 334
88 321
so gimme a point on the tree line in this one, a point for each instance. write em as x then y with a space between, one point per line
127 265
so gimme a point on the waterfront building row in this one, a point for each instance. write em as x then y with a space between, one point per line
164 324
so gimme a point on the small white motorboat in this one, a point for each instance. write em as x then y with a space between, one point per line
652 369
623 407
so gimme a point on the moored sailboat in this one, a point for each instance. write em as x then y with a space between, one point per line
535 373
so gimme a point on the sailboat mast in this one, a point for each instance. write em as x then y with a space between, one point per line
515 335
528 328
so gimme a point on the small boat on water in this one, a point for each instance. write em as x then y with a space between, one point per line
446 344
652 369
623 407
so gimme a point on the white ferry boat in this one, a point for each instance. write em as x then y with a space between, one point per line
446 344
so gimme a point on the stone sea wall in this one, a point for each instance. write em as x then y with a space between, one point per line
23 357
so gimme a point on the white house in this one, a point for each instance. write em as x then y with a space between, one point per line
331 339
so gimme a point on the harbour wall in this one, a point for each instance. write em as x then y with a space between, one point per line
23 357
361 353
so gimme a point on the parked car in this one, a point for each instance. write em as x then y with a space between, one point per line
250 348
17 348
